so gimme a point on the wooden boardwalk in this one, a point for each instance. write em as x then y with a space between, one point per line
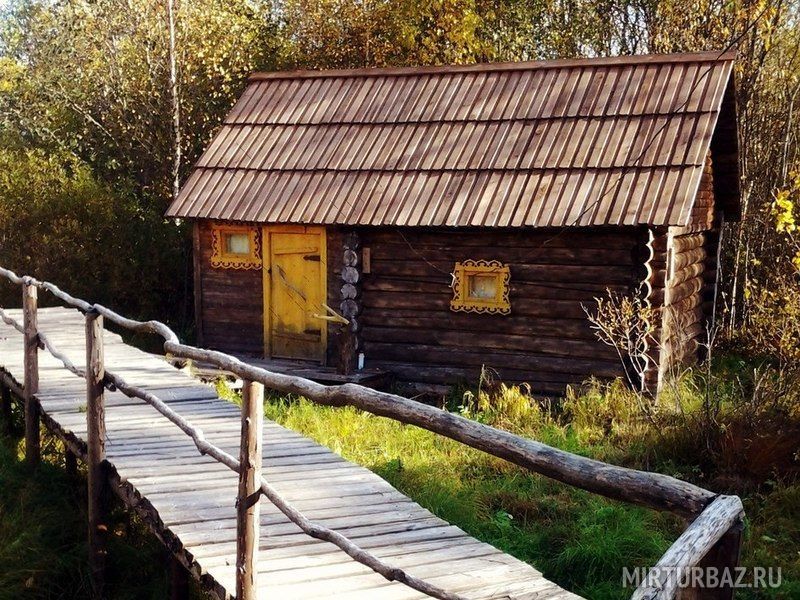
188 499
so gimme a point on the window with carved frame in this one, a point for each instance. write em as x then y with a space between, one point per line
481 286
235 247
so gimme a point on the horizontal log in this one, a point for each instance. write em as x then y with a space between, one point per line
649 489
657 277
349 291
425 320
543 239
540 383
677 352
236 301
688 331
681 353
685 274
351 240
690 257
350 275
527 272
520 344
234 326
441 285
426 353
227 345
230 277
245 331
350 308
350 258
687 242
521 306
687 326
684 290
471 374
573 256
688 304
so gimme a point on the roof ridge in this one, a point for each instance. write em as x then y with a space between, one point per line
632 59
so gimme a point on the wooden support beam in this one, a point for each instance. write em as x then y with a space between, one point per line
197 272
247 502
178 579
8 416
70 463
31 381
96 452
724 558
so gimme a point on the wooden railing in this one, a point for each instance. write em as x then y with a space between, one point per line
712 538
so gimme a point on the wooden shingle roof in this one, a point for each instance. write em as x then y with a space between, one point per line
608 141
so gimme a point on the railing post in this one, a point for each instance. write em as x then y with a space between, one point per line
31 383
8 416
724 558
178 579
247 502
96 451
70 463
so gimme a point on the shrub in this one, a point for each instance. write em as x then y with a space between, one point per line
598 410
58 222
772 327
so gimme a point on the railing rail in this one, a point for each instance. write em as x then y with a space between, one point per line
654 490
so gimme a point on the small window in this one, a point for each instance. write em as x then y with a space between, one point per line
235 247
481 286
237 243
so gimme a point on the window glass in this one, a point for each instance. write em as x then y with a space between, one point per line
237 243
483 286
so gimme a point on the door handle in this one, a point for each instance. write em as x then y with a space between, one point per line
333 317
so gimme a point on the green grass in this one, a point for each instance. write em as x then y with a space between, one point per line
43 548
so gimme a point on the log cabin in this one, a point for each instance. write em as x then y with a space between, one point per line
430 222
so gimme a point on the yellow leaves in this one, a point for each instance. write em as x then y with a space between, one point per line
783 211
784 204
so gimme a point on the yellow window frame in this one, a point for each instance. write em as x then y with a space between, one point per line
221 259
463 302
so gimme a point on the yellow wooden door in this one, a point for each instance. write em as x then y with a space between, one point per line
294 292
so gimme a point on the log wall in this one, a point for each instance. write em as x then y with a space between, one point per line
686 256
231 303
683 317
409 329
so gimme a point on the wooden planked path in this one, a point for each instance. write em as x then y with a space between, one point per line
188 499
